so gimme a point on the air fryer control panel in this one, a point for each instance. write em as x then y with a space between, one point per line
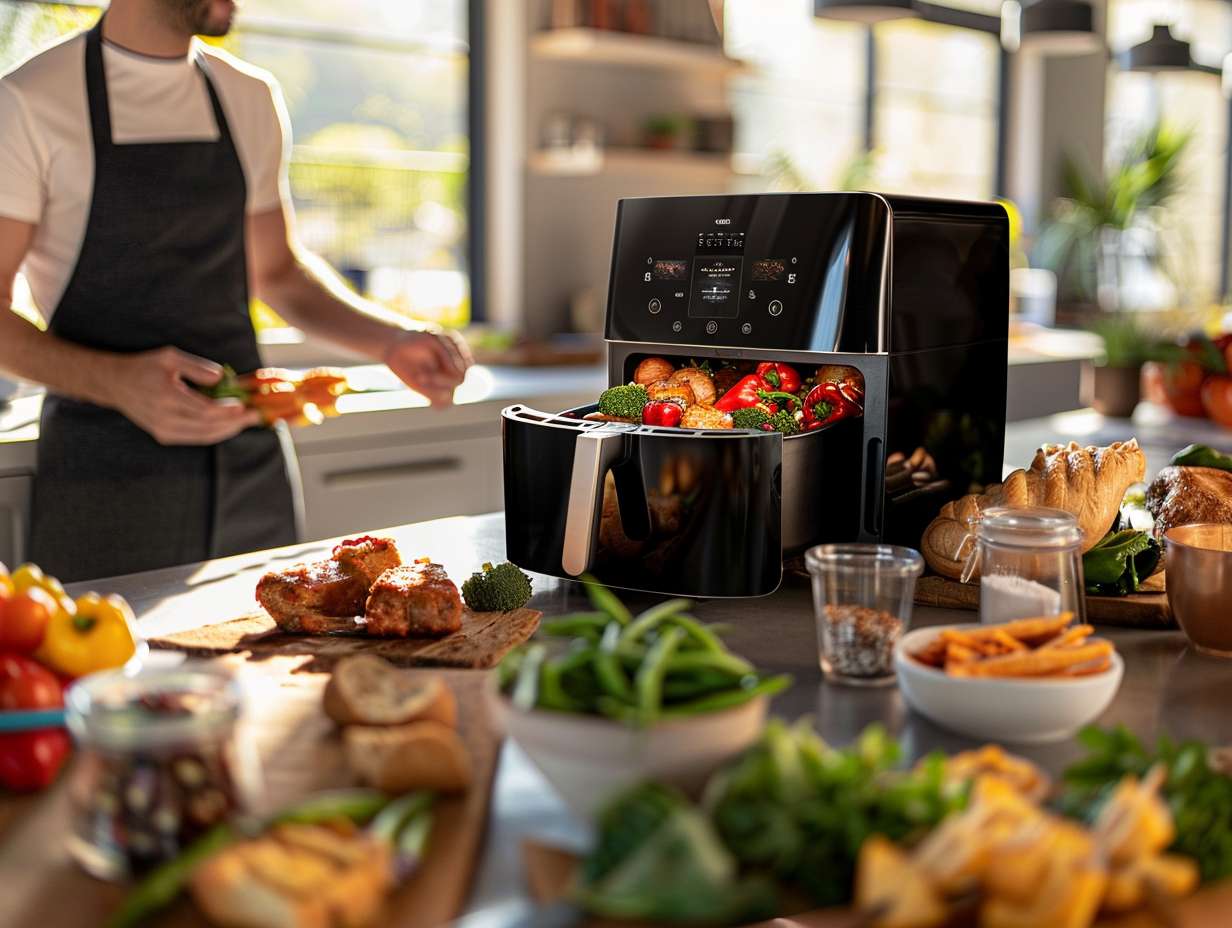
792 271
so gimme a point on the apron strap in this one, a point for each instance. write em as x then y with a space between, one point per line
100 105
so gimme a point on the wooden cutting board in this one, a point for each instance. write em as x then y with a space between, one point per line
1137 610
485 637
301 753
549 873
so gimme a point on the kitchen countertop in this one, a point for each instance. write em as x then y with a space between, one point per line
1167 686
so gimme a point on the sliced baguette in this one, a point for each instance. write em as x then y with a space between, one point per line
421 755
368 690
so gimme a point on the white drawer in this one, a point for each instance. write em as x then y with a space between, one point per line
352 491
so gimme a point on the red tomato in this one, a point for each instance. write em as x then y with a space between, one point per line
31 759
24 618
1217 399
1183 388
27 684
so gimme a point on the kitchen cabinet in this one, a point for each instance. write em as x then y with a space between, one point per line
14 517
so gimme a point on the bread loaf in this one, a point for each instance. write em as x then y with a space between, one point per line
368 690
1089 483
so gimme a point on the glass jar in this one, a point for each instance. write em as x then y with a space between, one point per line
158 764
862 599
1029 561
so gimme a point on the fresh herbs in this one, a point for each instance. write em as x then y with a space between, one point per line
661 664
1199 795
787 817
1119 562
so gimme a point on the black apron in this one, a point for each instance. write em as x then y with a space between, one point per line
162 263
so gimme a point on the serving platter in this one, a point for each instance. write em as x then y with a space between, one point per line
485 637
1137 610
301 753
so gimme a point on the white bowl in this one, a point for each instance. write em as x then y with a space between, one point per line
588 758
1017 709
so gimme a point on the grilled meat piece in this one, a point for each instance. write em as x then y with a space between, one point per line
414 600
677 390
705 417
325 596
1183 495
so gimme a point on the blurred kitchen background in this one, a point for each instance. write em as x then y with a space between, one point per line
460 160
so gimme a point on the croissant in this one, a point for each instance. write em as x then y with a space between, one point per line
1087 482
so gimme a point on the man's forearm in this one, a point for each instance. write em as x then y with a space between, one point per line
72 370
311 296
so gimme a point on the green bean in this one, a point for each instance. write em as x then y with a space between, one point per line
612 679
706 660
696 683
526 689
702 635
579 623
552 693
651 617
728 698
605 600
391 819
649 680
359 805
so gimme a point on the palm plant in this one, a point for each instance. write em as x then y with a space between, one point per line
1082 242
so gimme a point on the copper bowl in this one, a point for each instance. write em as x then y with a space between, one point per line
1199 583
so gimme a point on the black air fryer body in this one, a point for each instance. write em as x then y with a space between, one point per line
912 292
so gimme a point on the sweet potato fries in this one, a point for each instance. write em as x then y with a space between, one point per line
1042 647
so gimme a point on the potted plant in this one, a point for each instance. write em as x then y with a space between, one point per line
1105 223
664 131
1118 371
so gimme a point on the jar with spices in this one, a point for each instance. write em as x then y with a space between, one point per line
1029 563
862 599
159 764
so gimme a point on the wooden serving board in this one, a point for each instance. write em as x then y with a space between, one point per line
1137 610
549 874
484 639
301 753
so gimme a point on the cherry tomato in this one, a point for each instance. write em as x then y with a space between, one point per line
27 684
1217 399
1183 388
31 759
24 618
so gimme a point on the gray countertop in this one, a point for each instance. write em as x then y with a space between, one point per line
1167 687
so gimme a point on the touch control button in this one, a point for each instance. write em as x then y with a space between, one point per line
747 329
654 305
677 326
775 307
711 327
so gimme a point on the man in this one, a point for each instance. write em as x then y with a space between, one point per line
143 190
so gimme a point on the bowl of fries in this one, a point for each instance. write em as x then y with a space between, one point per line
1027 681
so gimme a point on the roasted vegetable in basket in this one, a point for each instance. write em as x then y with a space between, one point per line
625 401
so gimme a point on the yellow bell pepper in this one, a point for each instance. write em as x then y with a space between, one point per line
6 583
96 635
31 575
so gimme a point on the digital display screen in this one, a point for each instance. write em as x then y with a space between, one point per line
723 243
716 287
764 269
670 269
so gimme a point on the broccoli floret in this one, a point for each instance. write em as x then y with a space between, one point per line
749 418
497 589
785 422
625 401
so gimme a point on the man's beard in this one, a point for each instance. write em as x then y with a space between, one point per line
195 17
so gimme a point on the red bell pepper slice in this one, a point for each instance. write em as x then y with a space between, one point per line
744 393
827 403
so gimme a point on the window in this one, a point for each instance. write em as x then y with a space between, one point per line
936 109
1190 238
804 115
381 162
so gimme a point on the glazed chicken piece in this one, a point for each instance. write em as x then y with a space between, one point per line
325 596
414 600
1182 495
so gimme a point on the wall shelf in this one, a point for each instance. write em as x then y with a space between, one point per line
567 163
602 46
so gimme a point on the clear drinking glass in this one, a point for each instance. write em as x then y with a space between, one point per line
159 763
862 598
1030 564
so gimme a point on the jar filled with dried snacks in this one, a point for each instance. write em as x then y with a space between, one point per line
862 599
159 764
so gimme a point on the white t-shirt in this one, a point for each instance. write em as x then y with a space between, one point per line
47 156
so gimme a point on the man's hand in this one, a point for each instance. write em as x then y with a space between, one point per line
431 364
152 389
